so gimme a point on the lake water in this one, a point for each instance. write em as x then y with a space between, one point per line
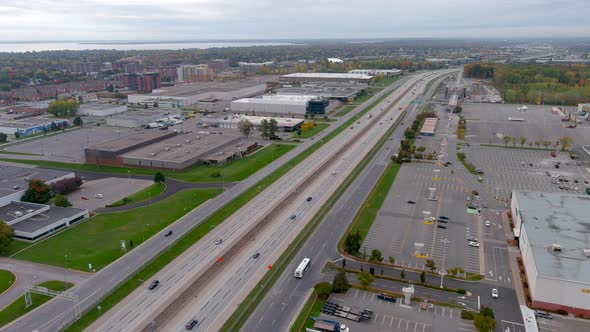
123 46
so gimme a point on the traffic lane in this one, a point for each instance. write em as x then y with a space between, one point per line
57 312
337 219
506 306
464 300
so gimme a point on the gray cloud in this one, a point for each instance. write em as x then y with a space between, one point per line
262 19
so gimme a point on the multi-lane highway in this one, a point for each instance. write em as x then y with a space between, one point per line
282 208
281 302
58 313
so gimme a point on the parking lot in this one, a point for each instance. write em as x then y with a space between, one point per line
391 316
69 146
102 192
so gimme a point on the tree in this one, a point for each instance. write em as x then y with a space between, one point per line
409 133
299 132
273 128
323 289
265 129
546 144
485 321
6 236
422 277
159 177
366 279
245 127
507 139
514 141
61 200
66 186
431 265
566 142
403 274
78 121
522 141
458 109
3 138
352 243
375 256
340 283
38 192
421 149
391 260
63 108
110 88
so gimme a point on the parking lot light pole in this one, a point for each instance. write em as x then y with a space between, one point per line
443 272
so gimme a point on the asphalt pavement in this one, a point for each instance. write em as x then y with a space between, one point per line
58 313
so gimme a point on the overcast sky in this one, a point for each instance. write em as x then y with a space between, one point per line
268 19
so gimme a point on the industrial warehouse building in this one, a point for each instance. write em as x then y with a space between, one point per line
326 77
284 124
552 231
139 119
189 94
30 126
281 104
33 221
97 109
377 72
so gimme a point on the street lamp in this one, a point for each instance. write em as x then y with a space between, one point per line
443 272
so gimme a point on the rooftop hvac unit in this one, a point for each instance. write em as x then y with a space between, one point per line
556 247
18 213
188 141
587 252
167 149
153 154
30 210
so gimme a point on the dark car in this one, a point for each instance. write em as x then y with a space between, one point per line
479 171
256 255
443 217
441 226
154 284
308 199
191 324
556 165
543 314
168 233
446 221
448 163
411 202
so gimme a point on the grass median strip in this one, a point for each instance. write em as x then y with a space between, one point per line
234 171
319 126
17 308
197 233
7 278
240 316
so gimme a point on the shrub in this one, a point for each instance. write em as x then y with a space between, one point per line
66 186
466 314
61 200
215 174
461 291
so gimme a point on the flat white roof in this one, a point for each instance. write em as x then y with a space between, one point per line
557 218
256 120
329 75
277 99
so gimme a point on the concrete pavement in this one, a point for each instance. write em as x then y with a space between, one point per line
30 274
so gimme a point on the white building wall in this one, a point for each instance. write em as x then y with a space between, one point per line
516 218
562 292
8 130
267 108
529 263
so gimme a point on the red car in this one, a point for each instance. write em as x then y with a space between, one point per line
84 198
553 154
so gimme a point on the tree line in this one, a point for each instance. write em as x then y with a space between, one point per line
536 83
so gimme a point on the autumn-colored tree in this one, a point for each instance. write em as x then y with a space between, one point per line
38 192
566 142
431 265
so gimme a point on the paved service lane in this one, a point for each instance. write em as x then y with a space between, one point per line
57 313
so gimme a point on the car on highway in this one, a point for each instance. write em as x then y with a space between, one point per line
479 171
168 233
256 255
441 226
488 224
293 216
333 172
154 285
495 293
411 202
98 196
218 241
473 244
192 323
543 314
443 218
471 238
309 199
446 221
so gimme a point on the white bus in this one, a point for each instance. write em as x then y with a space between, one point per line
305 263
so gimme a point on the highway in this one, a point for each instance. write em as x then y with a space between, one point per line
282 301
317 176
58 313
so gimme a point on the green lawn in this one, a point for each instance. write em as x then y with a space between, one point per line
97 240
368 212
7 278
468 166
345 110
142 195
386 81
315 312
15 247
19 153
196 234
17 308
313 131
234 171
